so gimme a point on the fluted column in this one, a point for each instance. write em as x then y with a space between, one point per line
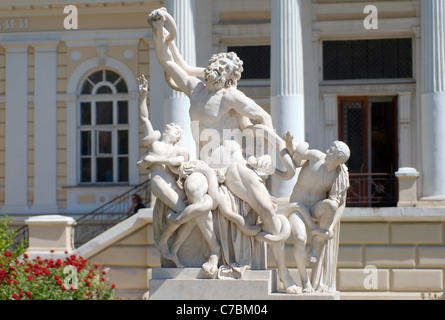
177 104
287 90
433 98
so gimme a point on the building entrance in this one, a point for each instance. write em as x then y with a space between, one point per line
369 126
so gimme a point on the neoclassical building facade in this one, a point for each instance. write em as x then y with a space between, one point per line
373 77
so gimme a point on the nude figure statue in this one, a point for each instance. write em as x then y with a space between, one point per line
217 104
320 194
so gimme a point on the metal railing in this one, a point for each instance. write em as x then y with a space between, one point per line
108 215
372 190
21 236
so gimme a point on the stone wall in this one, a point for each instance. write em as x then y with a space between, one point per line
130 261
388 250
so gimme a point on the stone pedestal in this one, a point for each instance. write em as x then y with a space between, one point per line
407 186
191 284
50 233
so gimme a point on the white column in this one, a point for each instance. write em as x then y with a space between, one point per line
177 104
404 111
45 128
287 90
433 98
16 177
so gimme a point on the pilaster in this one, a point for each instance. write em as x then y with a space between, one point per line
404 112
45 128
331 117
16 176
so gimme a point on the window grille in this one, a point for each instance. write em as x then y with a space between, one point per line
367 59
256 61
353 133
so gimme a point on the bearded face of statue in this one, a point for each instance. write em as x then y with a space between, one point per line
220 72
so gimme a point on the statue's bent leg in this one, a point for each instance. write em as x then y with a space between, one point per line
205 225
299 232
283 273
324 212
182 234
246 185
170 197
163 190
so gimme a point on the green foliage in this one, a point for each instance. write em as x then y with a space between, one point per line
23 278
7 238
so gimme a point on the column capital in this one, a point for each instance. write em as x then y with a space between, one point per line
45 46
15 47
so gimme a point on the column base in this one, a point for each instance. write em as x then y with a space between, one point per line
431 202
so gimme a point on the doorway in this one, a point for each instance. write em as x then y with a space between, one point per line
369 126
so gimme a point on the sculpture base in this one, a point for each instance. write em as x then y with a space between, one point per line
190 284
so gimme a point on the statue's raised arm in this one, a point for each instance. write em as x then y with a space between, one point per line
183 76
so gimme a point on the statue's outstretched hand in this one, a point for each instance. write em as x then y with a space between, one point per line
288 137
157 18
143 85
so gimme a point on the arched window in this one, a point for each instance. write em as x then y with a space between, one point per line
103 129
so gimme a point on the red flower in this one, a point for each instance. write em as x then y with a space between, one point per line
8 254
103 272
25 256
29 294
27 270
113 286
21 294
56 277
102 279
96 266
63 288
30 278
59 282
51 250
14 295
